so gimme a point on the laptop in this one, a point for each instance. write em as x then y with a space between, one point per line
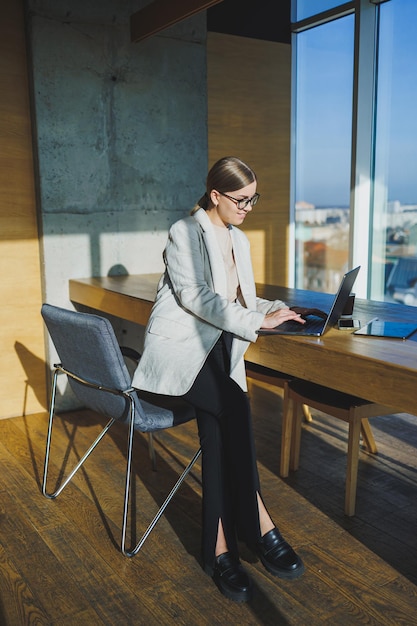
392 330
315 326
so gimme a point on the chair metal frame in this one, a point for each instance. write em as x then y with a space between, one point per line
127 393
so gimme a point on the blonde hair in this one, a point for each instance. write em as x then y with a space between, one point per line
228 174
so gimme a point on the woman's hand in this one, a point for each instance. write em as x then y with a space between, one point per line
279 316
305 311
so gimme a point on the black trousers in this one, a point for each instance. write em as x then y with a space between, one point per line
229 470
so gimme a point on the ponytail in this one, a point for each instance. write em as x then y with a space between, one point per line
203 203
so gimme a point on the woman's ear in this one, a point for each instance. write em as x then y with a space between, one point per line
214 197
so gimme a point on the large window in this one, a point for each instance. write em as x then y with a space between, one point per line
394 241
323 122
354 186
307 8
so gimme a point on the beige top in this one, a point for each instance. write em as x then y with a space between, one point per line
225 243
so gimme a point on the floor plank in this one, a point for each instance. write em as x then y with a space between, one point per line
60 561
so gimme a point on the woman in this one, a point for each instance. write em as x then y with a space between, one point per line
205 314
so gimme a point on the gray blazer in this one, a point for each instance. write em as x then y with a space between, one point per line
191 309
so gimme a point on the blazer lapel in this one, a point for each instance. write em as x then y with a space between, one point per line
214 253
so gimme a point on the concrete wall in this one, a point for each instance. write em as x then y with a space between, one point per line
121 137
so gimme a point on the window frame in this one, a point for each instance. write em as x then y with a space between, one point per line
363 132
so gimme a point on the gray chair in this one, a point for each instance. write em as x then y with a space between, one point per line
97 372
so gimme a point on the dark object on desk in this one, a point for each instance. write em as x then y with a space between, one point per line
317 327
348 323
94 365
392 330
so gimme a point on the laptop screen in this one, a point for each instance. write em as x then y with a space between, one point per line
342 296
318 327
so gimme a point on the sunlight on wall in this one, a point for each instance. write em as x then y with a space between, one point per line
66 256
137 252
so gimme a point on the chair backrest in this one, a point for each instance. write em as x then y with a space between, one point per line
87 347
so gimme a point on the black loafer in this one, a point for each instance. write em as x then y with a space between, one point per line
231 579
277 555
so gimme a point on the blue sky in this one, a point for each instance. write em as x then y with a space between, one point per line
324 112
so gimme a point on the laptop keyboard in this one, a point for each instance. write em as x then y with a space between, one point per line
314 325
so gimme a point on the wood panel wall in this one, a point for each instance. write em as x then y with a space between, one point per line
22 368
249 95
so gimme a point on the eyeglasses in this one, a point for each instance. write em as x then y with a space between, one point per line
242 204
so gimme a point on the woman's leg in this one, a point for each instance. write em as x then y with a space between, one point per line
232 502
230 476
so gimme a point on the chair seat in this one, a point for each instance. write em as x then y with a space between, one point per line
160 412
326 396
260 371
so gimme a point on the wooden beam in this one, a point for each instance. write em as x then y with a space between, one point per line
160 14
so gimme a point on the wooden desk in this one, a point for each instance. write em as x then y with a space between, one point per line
380 370
128 297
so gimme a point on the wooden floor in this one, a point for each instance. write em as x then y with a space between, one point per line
60 562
